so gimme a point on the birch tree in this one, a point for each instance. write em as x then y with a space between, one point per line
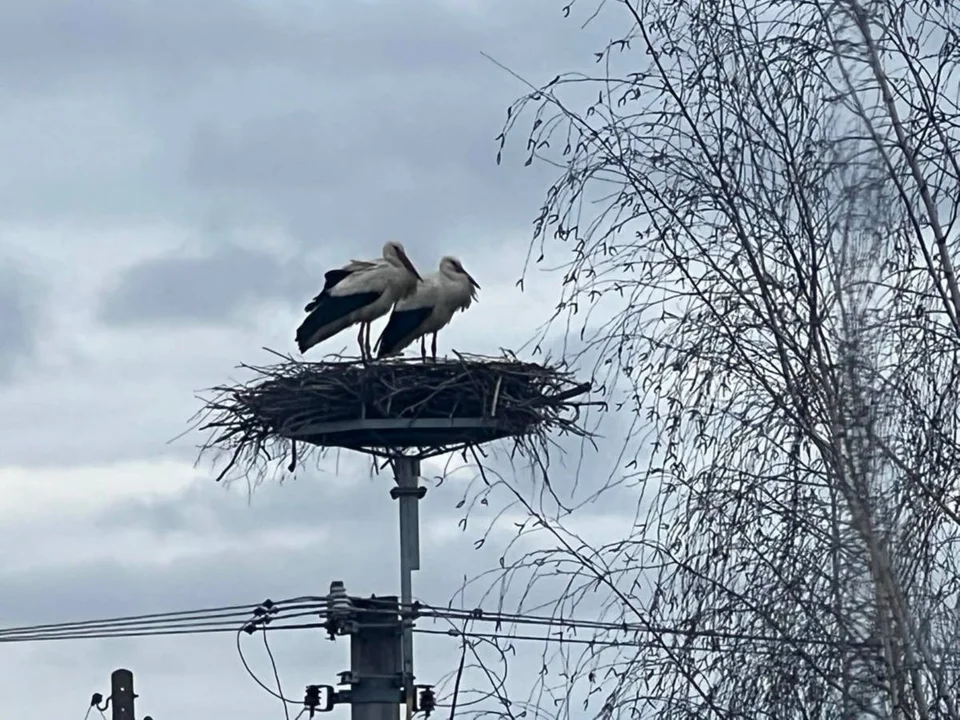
762 198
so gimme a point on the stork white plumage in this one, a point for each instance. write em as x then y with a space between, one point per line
429 309
359 292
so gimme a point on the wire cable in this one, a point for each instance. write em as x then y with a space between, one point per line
479 615
459 677
134 619
258 681
276 674
159 633
648 644
226 618
180 623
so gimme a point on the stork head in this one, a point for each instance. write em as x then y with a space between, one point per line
394 254
452 268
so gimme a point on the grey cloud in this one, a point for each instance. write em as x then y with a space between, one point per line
349 121
362 520
362 154
343 122
426 176
56 37
362 550
36 38
19 319
215 287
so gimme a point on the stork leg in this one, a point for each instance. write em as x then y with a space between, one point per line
434 346
363 353
423 347
366 341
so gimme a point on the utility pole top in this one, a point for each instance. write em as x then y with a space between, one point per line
121 694
375 666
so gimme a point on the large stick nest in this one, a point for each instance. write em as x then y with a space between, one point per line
419 408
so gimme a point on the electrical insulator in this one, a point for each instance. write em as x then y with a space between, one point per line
340 604
339 607
311 700
427 701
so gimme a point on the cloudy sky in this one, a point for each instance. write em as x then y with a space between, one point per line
175 177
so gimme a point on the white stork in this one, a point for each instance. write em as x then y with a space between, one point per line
429 309
359 292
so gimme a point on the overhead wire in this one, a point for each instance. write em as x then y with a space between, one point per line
459 677
226 619
208 620
276 673
274 616
261 621
133 619
421 610
604 642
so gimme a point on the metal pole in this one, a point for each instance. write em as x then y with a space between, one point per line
407 473
121 694
375 660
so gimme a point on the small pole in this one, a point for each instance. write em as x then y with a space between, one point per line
375 660
406 471
121 694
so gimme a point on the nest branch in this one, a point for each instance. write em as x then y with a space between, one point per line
386 408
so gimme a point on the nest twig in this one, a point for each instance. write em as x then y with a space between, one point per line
385 408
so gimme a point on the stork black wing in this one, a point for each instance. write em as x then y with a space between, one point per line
399 327
326 310
331 278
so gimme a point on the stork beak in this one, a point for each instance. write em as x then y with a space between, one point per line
409 265
472 281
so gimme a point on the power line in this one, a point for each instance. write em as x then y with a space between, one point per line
133 619
227 618
157 633
276 674
246 666
243 610
631 628
600 642
208 620
500 618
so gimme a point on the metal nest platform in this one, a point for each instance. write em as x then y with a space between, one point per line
387 408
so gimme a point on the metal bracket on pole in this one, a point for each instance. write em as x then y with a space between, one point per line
409 493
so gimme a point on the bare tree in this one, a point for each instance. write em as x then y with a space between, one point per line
761 198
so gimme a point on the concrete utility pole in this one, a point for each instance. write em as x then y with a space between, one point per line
121 694
375 667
